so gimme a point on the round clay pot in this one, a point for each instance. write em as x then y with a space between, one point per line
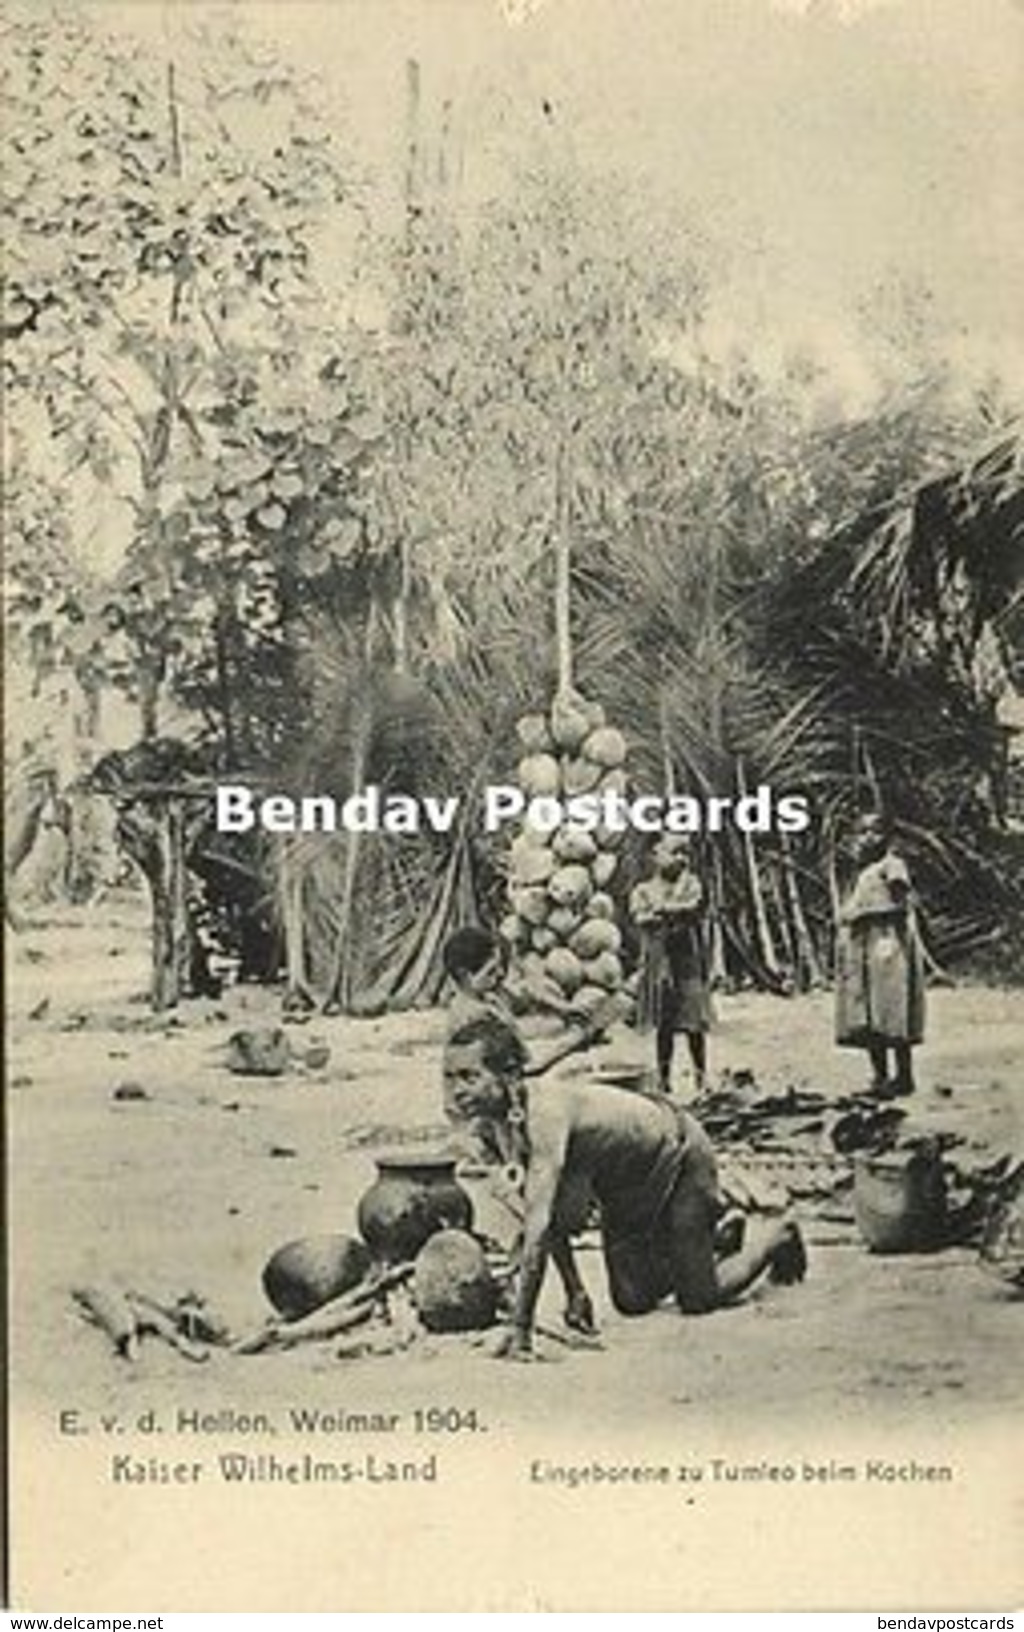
1002 1247
414 1196
453 1285
263 1051
899 1202
301 1276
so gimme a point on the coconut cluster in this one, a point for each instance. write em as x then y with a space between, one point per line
561 926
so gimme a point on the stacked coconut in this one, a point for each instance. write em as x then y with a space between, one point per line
561 926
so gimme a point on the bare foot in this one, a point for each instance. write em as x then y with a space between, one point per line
789 1259
516 1346
579 1315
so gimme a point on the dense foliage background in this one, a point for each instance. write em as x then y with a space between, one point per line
332 496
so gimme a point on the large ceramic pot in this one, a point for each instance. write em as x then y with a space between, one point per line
899 1202
307 1273
453 1287
1002 1248
414 1196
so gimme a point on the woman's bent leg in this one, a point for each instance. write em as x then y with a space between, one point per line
634 1282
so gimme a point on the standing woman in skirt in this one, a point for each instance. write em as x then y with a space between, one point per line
668 910
879 964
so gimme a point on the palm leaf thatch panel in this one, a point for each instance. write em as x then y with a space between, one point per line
671 670
376 908
848 673
948 561
874 644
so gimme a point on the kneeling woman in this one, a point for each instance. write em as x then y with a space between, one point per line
651 1167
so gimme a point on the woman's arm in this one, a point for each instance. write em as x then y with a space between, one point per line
548 1146
686 897
643 910
881 891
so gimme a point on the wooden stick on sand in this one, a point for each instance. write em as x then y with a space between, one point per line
341 1314
109 1309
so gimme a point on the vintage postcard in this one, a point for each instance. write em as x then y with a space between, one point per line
514 792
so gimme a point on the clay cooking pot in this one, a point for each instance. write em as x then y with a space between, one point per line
413 1197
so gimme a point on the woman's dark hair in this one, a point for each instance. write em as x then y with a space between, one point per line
467 950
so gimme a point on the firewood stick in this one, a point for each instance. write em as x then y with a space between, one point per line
341 1321
380 1344
272 1334
109 1309
255 1342
330 1319
385 1277
154 1319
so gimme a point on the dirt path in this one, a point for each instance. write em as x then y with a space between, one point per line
195 1186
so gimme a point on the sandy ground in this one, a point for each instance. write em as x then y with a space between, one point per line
195 1186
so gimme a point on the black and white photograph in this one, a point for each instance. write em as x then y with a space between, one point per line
513 532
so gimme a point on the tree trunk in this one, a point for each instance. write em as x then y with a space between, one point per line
667 768
224 642
290 884
762 927
162 993
88 859
400 623
413 207
563 567
783 925
149 699
835 898
339 996
716 952
807 952
713 643
166 878
168 888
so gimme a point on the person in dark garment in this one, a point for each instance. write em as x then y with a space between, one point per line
674 993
